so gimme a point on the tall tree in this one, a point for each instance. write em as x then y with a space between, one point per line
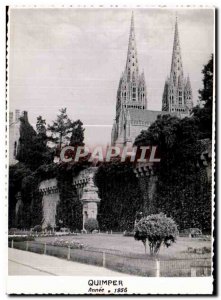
25 146
77 135
206 94
60 129
204 114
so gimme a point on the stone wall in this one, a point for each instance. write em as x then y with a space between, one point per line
50 199
86 190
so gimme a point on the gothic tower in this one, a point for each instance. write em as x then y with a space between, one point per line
131 92
177 95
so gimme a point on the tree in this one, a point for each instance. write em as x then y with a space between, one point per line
158 230
41 126
91 224
32 147
204 114
77 135
206 94
61 129
25 146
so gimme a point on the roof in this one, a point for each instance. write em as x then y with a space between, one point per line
146 115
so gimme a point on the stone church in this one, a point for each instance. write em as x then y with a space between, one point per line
132 114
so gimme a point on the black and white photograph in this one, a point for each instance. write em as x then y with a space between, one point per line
111 136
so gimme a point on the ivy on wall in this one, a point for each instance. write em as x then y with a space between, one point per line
120 196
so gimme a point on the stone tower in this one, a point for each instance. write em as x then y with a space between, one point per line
177 95
131 92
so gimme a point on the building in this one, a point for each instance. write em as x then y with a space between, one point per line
14 134
177 95
132 114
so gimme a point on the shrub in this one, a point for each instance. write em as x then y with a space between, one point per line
49 227
12 231
63 243
20 238
37 228
91 224
128 233
195 232
158 230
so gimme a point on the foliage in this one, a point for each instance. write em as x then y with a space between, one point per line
49 227
37 228
120 195
204 114
206 94
62 243
60 129
32 146
36 165
69 208
91 224
182 189
158 230
77 135
21 238
16 174
25 145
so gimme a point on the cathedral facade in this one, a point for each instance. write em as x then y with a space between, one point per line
132 114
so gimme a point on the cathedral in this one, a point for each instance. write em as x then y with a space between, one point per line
132 114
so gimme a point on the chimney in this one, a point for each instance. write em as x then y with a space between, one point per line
10 117
25 116
17 115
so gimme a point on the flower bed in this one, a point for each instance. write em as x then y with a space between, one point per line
64 243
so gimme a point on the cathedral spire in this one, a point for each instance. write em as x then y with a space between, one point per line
177 94
132 61
176 72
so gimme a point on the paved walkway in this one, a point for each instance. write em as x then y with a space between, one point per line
28 263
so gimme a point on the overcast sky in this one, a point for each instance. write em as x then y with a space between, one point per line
74 58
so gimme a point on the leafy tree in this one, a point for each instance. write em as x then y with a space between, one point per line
206 94
157 230
204 114
41 126
77 135
32 147
25 146
60 129
91 224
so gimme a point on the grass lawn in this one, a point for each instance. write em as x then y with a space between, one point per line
117 242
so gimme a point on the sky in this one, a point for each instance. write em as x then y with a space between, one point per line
74 58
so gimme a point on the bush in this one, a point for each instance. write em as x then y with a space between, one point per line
49 227
12 231
91 224
195 232
20 238
37 228
63 243
158 230
128 233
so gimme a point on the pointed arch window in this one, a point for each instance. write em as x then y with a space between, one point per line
15 149
180 97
